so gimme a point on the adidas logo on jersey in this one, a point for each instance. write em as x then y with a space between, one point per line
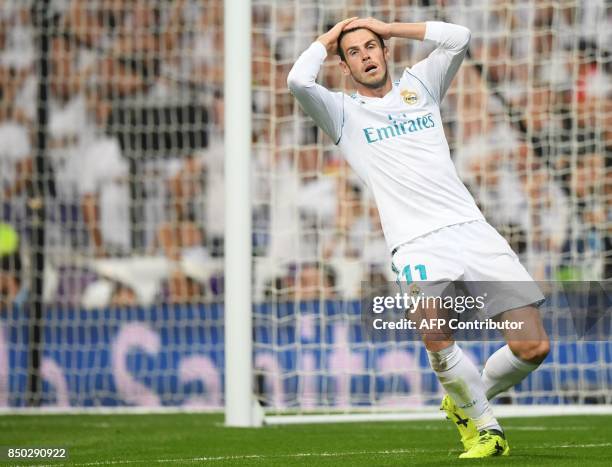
398 127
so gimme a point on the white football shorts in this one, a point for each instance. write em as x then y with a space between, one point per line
472 253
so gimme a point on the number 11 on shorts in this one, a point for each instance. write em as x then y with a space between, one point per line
420 268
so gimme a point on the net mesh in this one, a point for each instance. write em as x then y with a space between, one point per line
134 189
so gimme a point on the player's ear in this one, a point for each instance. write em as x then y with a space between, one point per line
344 67
387 53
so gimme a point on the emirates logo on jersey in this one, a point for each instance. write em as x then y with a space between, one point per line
410 97
399 125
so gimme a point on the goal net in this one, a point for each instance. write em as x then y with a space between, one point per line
131 286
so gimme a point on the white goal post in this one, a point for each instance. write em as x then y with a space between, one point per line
241 409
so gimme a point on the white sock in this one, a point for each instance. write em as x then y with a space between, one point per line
459 376
503 370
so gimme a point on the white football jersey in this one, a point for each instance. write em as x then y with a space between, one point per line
396 143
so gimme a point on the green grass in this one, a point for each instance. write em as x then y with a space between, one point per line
198 439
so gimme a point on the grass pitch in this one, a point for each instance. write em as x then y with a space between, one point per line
201 439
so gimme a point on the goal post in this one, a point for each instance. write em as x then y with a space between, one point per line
241 408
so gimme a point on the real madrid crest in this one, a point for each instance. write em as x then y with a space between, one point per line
410 97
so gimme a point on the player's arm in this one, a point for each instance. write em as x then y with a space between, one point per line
323 106
440 67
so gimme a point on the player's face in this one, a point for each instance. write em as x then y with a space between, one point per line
366 59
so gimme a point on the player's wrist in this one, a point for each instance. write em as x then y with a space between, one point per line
330 46
393 30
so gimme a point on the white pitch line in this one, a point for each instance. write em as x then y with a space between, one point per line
509 428
562 446
255 456
312 454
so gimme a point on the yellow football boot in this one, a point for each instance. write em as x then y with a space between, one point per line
490 443
465 425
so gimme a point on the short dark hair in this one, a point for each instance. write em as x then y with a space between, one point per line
347 31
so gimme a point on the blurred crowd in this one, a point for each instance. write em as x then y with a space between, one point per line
134 175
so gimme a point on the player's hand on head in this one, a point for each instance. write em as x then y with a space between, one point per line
379 27
330 38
